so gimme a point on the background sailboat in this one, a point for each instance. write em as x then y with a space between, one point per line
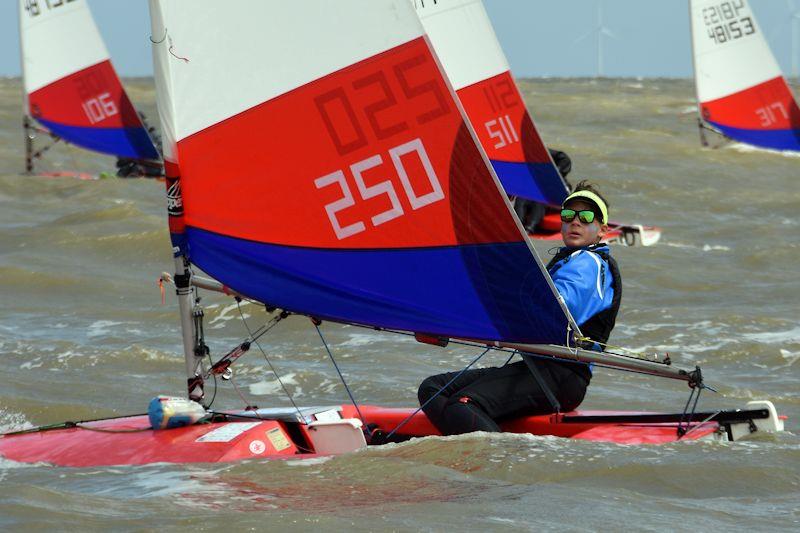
741 92
71 88
466 44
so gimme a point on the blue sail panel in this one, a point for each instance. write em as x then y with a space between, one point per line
779 139
535 181
486 291
133 142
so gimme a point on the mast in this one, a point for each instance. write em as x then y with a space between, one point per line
26 124
700 122
795 44
600 30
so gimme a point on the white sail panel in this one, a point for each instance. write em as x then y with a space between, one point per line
58 39
730 52
251 69
463 39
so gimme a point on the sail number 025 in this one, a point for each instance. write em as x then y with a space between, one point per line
385 187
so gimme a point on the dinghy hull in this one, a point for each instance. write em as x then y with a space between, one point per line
280 434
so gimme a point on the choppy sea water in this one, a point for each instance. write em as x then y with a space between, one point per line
83 333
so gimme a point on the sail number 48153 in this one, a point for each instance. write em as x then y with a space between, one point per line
385 188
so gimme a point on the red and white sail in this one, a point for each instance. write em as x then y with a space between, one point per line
466 44
325 167
741 91
71 87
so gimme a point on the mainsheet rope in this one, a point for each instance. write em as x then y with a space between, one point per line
421 407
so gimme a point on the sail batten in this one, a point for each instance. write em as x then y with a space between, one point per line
71 87
358 194
741 91
465 43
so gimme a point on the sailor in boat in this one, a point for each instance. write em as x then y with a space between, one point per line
588 279
530 213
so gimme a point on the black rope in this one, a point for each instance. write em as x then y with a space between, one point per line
65 425
336 366
421 407
694 394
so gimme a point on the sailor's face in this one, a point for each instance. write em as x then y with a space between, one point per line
576 233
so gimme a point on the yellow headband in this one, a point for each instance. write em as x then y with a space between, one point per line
589 195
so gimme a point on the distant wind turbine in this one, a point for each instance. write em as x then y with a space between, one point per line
599 31
795 21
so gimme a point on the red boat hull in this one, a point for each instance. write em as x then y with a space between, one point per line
129 441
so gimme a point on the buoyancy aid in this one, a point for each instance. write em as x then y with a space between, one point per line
597 327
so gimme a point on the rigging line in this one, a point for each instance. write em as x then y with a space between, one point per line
421 407
700 424
246 403
214 397
66 425
103 430
255 341
344 382
681 431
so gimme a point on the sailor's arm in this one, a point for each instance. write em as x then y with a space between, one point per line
582 286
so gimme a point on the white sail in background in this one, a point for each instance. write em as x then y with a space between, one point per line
465 43
71 87
741 91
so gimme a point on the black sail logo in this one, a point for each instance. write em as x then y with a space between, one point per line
174 199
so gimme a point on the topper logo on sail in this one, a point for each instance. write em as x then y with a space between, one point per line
425 100
174 199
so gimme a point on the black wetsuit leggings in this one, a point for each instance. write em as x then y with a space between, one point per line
480 398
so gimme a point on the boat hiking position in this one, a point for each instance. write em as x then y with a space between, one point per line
373 206
741 92
471 56
73 93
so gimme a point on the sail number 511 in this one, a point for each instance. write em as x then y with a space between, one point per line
384 188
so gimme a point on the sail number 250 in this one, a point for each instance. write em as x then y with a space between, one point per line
384 188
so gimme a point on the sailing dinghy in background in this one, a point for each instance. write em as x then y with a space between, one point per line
467 47
73 93
375 206
741 92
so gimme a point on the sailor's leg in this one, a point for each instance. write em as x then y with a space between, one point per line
450 411
511 391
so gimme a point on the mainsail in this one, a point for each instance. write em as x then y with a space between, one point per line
71 87
465 43
318 161
740 89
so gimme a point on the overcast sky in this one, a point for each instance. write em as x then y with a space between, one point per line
540 37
